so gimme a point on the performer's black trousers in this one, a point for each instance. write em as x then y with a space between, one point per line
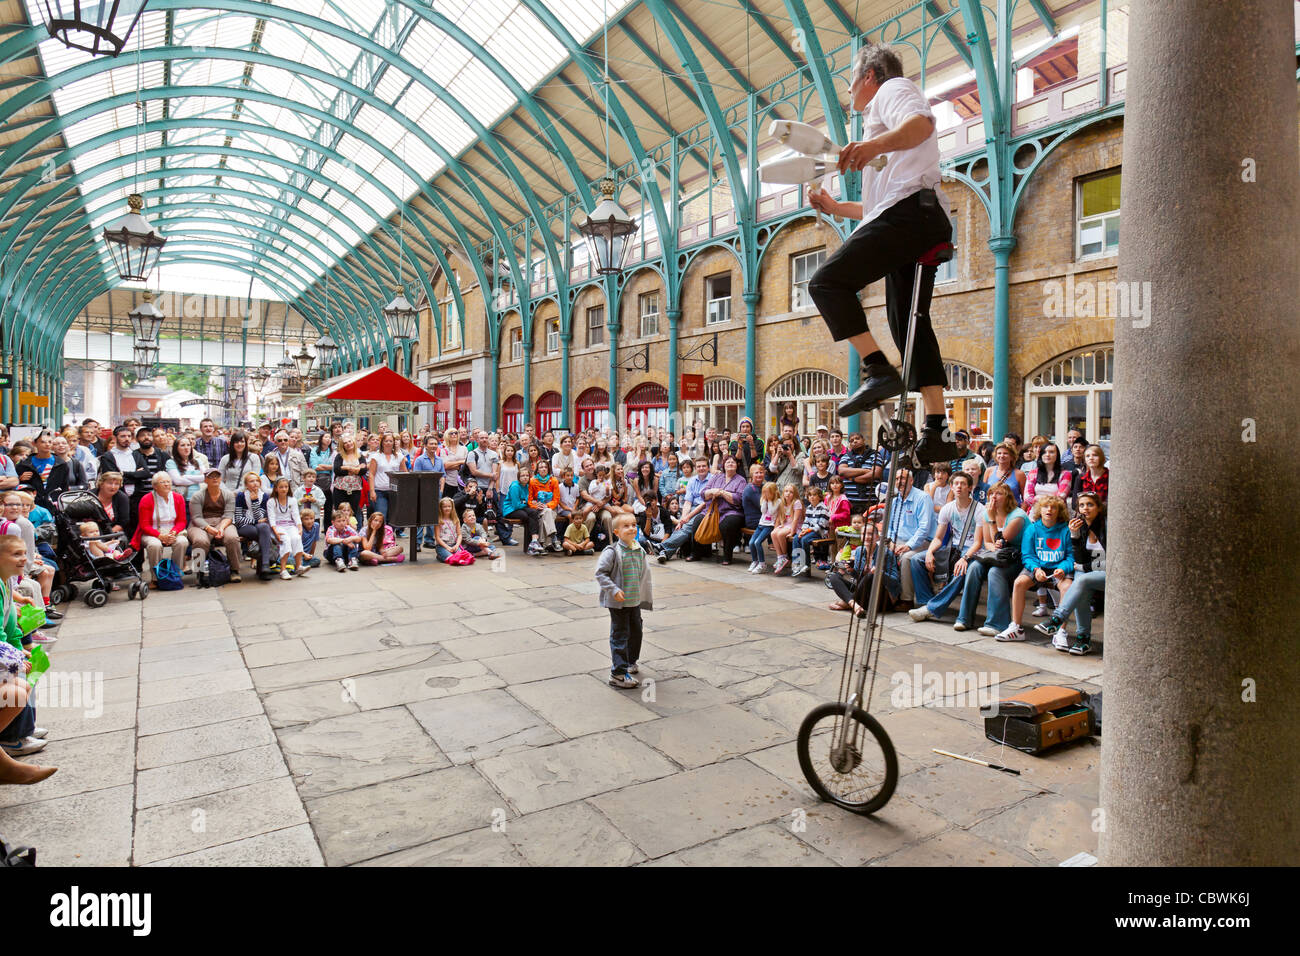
888 248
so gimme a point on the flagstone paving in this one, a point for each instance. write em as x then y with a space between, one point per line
426 715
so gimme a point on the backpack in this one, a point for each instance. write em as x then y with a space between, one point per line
168 575
460 557
218 569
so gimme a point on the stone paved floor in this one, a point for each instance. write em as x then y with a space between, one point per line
432 715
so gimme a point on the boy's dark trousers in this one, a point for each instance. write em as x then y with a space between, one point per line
624 638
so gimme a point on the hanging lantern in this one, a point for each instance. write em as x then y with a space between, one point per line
146 357
326 349
304 361
402 318
146 319
607 231
134 244
259 377
285 367
95 26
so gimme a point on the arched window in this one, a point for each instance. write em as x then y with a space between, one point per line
549 412
722 406
969 398
593 409
816 396
512 414
647 407
1073 391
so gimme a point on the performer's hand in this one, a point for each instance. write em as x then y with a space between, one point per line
855 156
821 200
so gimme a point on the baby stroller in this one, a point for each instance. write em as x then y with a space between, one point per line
78 565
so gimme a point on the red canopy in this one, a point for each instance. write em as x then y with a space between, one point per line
379 383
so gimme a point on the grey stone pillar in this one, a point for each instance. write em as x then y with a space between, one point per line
1203 592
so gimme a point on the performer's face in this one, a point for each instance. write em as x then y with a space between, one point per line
863 91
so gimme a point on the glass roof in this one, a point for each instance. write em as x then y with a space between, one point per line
342 198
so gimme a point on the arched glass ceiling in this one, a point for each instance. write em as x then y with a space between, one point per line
503 27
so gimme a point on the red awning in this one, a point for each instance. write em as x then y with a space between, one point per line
379 383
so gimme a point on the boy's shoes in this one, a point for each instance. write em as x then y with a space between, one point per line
622 681
634 669
338 563
555 543
31 745
1048 628
663 557
352 564
590 551
1081 646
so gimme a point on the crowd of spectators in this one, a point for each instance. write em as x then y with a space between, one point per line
1023 517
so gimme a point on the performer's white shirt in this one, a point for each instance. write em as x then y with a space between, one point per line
908 170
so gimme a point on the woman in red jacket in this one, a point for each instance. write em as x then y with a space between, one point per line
161 524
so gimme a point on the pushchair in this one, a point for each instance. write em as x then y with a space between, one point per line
78 565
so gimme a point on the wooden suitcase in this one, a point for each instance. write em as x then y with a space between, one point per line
1039 719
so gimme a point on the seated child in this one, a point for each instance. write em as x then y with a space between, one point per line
816 521
99 549
310 532
342 541
577 539
379 544
653 525
473 537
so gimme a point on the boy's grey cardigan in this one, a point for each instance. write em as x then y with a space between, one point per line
609 571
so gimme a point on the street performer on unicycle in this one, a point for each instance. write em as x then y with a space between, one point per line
844 752
903 217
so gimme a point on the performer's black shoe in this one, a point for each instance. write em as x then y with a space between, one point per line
936 444
879 382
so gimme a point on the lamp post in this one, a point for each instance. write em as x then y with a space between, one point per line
146 356
146 319
326 350
608 230
134 244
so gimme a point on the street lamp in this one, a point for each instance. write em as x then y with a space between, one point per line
326 349
402 317
94 26
133 243
304 360
146 356
146 319
608 230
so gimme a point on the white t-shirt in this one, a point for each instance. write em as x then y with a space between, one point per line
283 516
908 170
956 520
384 466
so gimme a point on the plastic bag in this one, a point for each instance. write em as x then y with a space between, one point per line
40 664
30 617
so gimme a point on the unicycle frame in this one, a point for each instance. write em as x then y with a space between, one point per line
874 620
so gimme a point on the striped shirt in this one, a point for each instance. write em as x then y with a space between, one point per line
632 561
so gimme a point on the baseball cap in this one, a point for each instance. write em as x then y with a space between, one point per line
212 471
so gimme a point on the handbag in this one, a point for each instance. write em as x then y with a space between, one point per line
168 576
460 557
1003 557
947 559
219 569
709 529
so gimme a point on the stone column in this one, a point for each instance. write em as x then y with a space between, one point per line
1200 755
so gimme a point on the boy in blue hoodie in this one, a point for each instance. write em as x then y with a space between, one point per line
1048 556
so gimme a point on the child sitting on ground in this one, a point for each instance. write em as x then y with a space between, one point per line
447 530
310 532
473 537
379 545
342 541
577 539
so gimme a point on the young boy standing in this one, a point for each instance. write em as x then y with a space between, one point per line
623 574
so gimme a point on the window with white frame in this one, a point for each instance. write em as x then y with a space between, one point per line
552 336
802 268
516 345
596 325
717 295
649 310
1097 206
451 326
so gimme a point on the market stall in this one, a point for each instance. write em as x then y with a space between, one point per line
364 397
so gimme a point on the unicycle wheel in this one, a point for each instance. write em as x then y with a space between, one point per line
856 771
896 435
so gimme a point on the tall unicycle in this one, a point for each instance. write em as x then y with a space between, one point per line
844 752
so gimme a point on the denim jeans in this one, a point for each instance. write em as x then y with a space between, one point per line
21 726
756 542
999 604
936 604
624 638
335 552
443 552
682 536
1078 599
381 504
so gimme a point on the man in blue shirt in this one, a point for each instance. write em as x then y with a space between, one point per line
911 524
692 511
211 445
430 462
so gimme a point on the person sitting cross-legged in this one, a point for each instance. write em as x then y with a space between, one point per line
1047 556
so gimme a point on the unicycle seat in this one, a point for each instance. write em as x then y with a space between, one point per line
943 252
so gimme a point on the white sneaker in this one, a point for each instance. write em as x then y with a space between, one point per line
753 567
1041 610
960 626
338 563
988 631
1012 633
761 568
28 745
285 574
1061 640
919 614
